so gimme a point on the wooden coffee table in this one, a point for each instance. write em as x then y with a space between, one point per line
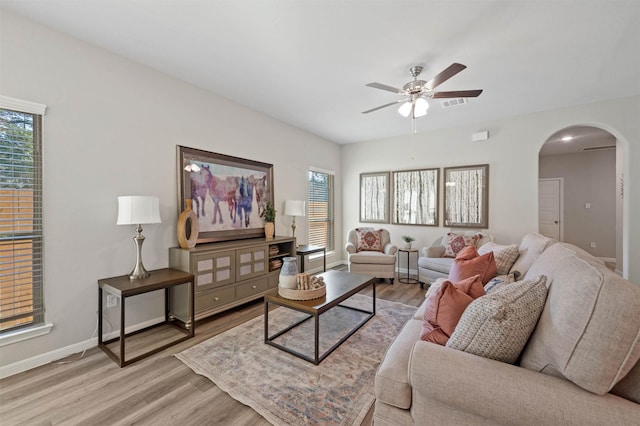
340 286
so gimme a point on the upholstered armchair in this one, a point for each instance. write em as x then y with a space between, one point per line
371 252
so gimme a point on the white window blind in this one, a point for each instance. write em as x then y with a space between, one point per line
320 209
21 246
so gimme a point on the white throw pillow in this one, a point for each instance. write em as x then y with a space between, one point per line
498 325
530 248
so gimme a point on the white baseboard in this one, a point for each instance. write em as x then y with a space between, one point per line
607 259
42 359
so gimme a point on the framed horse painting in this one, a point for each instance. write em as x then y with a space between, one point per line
228 194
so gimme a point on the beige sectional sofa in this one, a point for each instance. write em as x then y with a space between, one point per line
579 366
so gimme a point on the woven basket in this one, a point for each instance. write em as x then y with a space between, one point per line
293 294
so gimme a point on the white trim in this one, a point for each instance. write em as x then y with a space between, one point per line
14 104
19 335
560 207
45 358
607 259
319 170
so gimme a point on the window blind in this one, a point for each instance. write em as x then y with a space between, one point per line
21 245
320 209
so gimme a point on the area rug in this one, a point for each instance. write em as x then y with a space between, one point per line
287 390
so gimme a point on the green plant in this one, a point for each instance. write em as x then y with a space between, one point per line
408 238
269 213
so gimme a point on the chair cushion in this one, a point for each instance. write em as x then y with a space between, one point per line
505 256
456 242
369 239
374 257
589 330
498 325
468 264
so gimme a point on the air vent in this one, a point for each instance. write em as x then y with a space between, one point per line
454 102
598 148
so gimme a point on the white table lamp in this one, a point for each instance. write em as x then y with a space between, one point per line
294 208
138 210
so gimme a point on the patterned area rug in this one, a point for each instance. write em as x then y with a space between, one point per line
287 390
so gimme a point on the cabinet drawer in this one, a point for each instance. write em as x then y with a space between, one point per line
251 288
251 262
211 299
214 269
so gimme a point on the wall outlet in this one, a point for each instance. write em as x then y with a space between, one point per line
593 245
112 300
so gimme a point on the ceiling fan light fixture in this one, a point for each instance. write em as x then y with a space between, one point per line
421 107
405 109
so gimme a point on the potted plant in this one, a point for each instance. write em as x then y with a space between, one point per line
269 218
408 239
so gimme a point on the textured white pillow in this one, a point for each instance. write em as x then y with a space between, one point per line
530 248
498 325
505 256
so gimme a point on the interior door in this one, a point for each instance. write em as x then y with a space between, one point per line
550 208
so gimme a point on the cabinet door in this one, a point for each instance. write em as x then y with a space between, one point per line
251 262
214 269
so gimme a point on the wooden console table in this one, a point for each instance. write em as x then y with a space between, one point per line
122 287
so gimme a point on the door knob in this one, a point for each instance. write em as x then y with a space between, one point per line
555 221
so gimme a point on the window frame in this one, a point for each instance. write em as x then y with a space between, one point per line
36 325
330 236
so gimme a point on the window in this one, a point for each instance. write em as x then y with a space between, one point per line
21 292
320 209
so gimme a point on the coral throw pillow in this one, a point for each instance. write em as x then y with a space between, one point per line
445 307
468 263
456 242
369 240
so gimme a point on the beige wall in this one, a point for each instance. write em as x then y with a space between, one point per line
111 129
589 177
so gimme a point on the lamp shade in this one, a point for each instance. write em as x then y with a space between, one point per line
294 208
138 209
421 107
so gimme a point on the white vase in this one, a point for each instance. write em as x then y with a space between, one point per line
289 273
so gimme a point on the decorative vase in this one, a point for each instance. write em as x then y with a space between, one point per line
188 226
269 230
288 273
407 246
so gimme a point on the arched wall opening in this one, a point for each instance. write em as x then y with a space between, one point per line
580 191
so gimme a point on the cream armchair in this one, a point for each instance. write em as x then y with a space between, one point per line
371 252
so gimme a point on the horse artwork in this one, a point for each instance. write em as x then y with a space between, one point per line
229 194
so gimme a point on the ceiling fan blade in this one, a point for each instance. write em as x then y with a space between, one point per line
384 106
445 75
387 88
456 94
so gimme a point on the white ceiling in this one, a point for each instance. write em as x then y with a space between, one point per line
306 63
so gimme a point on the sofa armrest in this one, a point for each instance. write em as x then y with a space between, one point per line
350 248
390 248
437 251
503 393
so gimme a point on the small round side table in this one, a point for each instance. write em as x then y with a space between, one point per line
408 279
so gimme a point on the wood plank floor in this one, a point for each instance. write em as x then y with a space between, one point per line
158 390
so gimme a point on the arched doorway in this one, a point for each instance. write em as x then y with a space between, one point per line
580 197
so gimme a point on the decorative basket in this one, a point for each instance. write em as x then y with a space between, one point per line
294 294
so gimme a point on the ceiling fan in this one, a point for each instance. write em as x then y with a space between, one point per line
416 92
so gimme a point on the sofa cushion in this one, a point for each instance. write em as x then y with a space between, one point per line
369 239
453 243
392 379
444 308
498 282
438 264
589 330
468 263
629 386
505 256
498 325
530 248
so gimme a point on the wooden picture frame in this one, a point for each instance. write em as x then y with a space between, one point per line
466 196
374 197
416 197
229 193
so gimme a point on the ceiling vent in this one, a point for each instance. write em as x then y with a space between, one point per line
453 102
598 148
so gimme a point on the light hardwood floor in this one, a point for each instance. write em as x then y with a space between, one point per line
158 390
